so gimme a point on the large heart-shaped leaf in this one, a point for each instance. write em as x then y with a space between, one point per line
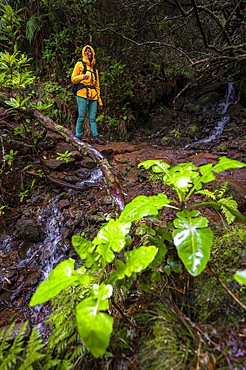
193 241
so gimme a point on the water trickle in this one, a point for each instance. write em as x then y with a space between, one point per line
95 176
221 108
50 251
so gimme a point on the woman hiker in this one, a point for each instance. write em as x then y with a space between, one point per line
86 80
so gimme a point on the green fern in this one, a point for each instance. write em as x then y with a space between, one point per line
32 26
64 346
220 193
164 349
32 353
10 352
4 344
227 205
206 193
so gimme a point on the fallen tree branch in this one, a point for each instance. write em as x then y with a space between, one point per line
241 304
66 184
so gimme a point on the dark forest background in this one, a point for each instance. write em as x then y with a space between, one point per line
148 52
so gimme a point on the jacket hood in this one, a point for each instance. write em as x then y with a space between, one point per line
85 59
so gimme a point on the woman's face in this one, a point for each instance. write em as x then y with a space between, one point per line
88 53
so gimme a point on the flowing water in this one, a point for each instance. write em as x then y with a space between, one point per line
220 108
51 253
95 176
52 248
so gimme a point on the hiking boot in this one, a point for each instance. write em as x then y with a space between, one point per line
97 140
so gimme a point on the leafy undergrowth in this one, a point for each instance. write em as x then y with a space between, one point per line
134 305
162 320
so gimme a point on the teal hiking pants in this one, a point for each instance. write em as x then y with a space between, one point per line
82 109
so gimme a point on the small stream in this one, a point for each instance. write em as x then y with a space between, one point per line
25 263
52 250
51 254
220 108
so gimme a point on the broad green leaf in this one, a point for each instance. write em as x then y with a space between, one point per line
86 251
142 206
184 169
138 259
181 182
113 235
207 173
111 238
60 278
158 166
226 163
182 175
206 176
105 250
102 291
240 277
193 241
94 327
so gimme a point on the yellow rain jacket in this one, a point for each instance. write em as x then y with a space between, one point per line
91 90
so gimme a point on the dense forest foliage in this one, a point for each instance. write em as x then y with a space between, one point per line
149 53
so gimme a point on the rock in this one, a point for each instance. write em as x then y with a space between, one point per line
64 203
57 165
29 229
209 98
32 278
83 173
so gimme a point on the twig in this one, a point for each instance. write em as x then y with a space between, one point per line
227 289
